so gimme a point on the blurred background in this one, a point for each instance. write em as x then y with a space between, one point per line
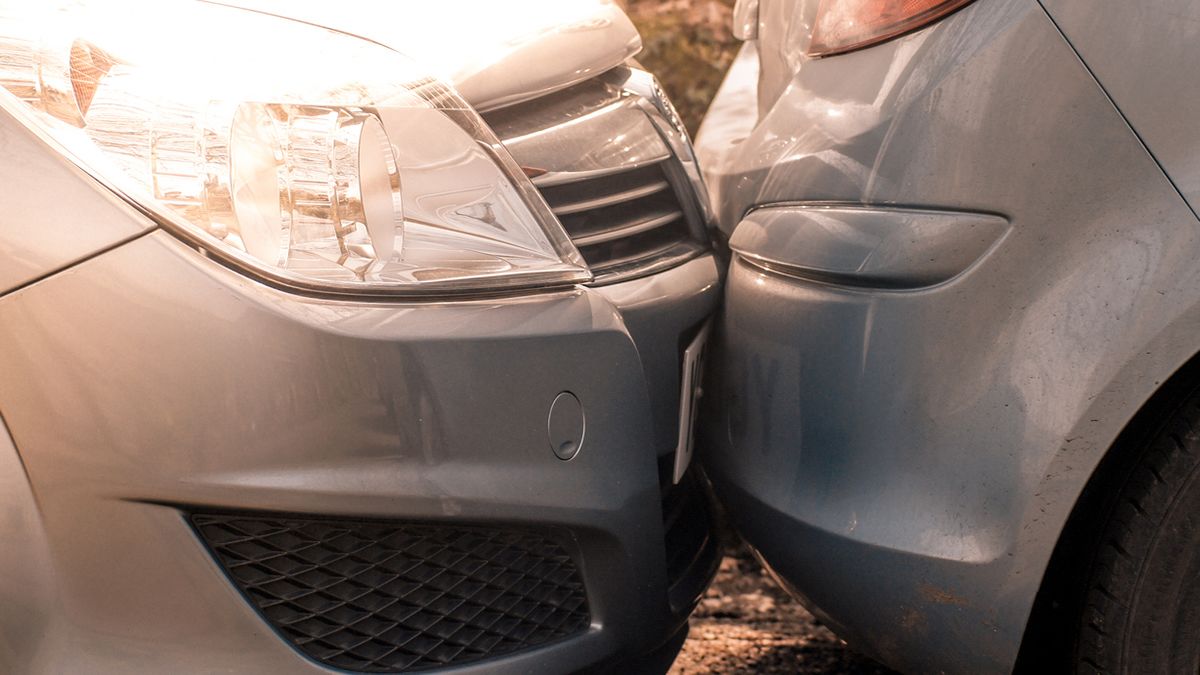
687 44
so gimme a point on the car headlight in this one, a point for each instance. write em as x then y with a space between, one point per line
308 157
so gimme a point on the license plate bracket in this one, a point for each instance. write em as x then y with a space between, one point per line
690 391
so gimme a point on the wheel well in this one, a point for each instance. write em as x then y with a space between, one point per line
1047 644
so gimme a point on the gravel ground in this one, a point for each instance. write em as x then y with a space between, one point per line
747 624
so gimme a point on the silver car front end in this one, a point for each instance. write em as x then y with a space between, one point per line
210 471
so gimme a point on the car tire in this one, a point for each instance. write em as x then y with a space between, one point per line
1141 612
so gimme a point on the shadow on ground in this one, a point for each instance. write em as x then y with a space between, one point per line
747 624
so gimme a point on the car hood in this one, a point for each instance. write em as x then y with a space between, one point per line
495 53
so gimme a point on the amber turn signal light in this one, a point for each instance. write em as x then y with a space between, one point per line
845 25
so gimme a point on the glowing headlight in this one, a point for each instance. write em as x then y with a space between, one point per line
311 158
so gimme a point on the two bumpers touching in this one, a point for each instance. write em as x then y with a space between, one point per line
692 545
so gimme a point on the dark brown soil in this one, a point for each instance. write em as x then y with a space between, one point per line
747 624
688 45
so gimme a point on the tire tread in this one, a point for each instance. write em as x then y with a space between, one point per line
1120 598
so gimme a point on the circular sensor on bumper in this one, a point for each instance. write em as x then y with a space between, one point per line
565 425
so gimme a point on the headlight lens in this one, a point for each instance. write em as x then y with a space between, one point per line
309 157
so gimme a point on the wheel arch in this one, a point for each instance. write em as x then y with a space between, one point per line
1049 630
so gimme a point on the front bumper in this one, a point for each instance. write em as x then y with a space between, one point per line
148 384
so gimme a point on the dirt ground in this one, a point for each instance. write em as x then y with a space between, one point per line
687 44
747 624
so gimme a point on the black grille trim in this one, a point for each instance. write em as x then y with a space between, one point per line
616 233
692 548
627 220
374 596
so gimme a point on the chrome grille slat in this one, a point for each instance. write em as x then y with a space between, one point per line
608 221
627 230
554 178
610 199
608 174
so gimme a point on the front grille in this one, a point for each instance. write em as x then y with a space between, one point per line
374 597
609 176
620 219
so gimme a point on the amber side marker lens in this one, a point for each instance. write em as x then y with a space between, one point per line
845 25
88 63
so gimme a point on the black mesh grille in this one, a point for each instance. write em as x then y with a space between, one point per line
369 596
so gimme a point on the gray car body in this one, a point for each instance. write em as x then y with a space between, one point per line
139 379
963 261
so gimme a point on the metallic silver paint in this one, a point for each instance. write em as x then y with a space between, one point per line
907 459
497 57
27 594
1145 55
659 311
53 214
861 246
149 380
586 148
745 19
